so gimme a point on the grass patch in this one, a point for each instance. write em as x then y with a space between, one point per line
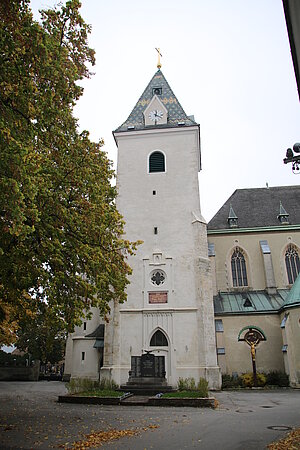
101 393
183 394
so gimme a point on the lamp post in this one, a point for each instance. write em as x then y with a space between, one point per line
290 157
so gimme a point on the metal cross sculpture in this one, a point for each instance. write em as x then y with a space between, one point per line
253 338
159 55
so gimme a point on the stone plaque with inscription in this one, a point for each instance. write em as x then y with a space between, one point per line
160 366
158 297
148 365
136 366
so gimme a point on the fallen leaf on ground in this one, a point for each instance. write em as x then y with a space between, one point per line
100 437
290 442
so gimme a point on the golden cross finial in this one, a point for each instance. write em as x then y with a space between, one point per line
159 55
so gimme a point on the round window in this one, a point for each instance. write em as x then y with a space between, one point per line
158 278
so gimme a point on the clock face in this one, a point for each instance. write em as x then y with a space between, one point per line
156 115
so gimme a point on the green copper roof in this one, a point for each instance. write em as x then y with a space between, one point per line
293 297
254 327
258 301
175 111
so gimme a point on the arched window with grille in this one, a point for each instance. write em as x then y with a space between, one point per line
158 340
238 268
157 162
292 263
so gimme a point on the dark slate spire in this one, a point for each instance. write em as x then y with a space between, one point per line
160 87
232 218
283 216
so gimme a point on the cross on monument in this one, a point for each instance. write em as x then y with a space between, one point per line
159 55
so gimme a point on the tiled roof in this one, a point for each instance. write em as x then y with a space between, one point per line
175 111
259 207
98 332
258 301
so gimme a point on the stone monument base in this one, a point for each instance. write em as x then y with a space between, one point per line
146 386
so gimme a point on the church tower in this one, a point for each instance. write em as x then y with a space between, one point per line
169 309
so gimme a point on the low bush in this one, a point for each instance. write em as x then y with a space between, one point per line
248 380
79 385
231 381
189 384
186 384
109 385
273 378
202 387
277 378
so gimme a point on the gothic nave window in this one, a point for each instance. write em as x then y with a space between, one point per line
292 263
238 268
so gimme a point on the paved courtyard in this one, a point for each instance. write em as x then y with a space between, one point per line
31 418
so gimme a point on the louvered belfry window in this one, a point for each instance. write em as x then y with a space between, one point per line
157 162
292 263
238 268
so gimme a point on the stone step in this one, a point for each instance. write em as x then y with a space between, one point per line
145 389
135 400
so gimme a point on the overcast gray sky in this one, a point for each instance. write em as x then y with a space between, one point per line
228 63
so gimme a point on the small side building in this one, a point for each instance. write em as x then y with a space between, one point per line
254 247
84 349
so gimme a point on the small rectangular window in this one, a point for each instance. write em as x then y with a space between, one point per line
155 230
82 356
284 348
221 351
84 326
283 322
154 192
219 325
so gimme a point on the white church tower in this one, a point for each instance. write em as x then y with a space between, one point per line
169 310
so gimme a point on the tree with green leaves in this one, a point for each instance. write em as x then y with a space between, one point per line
44 337
61 236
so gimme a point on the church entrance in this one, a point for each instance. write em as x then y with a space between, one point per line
159 346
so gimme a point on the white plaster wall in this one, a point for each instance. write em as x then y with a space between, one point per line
68 358
77 343
268 353
170 210
179 249
291 336
89 368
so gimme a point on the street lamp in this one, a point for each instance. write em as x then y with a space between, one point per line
294 159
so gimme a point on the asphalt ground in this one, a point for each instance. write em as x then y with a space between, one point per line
31 418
